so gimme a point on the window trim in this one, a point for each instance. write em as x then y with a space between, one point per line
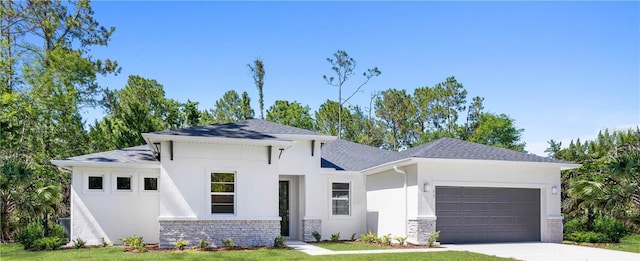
141 178
208 193
85 182
348 199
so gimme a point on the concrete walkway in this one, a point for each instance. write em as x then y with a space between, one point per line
546 252
319 251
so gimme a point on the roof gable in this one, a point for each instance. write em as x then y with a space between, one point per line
138 154
346 155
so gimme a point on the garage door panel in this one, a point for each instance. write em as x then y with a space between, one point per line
481 215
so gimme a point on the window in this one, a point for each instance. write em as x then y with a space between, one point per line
95 182
340 198
151 184
222 193
123 183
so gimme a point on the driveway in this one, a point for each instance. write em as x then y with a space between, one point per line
546 251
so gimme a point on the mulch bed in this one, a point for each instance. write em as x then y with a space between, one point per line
393 246
156 248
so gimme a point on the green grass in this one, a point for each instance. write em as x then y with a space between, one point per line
345 246
15 252
629 244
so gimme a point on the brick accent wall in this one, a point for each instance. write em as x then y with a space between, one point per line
419 230
310 225
242 232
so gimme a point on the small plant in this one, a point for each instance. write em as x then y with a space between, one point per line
57 230
433 238
316 235
335 237
353 237
104 242
228 243
79 243
181 244
611 227
386 240
278 242
203 244
369 237
135 242
49 243
401 240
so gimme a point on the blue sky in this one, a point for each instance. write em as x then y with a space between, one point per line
561 70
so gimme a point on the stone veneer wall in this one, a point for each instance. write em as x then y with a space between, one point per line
310 225
419 230
242 232
554 230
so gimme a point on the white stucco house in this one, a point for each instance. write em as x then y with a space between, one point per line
255 180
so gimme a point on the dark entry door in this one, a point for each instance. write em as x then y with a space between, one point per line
487 215
284 208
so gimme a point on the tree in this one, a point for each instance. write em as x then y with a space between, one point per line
393 107
473 115
450 96
257 73
231 108
192 113
343 65
327 119
363 129
499 131
291 114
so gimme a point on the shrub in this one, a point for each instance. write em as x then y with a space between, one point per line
573 225
203 244
49 243
181 244
135 242
79 243
433 238
612 228
369 237
335 237
30 234
588 237
401 240
353 237
316 235
386 240
57 230
104 242
278 242
228 243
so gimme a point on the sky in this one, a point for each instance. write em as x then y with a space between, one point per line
561 70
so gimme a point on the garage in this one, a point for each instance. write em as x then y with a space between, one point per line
487 215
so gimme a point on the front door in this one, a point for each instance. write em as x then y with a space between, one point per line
284 208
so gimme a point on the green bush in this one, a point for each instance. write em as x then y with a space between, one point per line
203 244
573 225
278 242
401 240
134 242
49 243
316 235
612 228
181 244
104 242
353 237
335 237
369 237
386 240
30 234
78 243
57 230
228 243
588 237
433 238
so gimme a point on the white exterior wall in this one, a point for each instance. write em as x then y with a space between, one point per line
185 180
345 225
474 173
113 214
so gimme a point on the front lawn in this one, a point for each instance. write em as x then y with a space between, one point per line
348 245
15 252
628 243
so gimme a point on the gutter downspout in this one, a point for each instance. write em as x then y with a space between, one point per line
406 229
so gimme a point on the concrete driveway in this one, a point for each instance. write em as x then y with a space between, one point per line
546 251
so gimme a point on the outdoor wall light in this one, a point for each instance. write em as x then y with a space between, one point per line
425 187
554 190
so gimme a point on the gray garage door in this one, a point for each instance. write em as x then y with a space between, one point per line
485 215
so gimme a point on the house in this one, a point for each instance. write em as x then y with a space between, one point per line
255 180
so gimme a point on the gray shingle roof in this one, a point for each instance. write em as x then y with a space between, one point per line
346 155
248 129
448 148
138 154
